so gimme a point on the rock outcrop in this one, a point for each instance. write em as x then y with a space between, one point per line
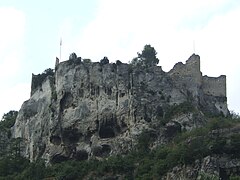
93 109
216 165
211 167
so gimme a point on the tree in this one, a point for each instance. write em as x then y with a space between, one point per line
8 119
73 56
48 72
147 57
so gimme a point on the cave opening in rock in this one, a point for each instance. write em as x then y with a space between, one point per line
56 140
71 136
106 132
108 127
66 101
106 149
172 129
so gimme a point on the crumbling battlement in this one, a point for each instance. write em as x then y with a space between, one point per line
190 76
186 76
191 68
215 86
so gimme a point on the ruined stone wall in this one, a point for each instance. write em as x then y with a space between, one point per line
188 75
215 86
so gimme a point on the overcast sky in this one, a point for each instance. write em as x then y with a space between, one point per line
30 33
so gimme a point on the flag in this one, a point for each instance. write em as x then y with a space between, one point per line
60 41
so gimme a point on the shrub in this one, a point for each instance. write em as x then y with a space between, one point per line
8 119
104 61
146 58
234 177
73 56
118 62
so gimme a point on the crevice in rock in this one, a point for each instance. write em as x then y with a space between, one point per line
66 101
108 91
123 123
146 117
117 98
159 112
87 137
97 90
41 149
81 93
97 124
94 90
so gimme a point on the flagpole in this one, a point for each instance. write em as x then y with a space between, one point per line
60 49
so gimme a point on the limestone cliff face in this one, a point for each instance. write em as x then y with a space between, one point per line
91 109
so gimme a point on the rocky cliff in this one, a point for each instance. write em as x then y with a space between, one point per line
221 162
85 109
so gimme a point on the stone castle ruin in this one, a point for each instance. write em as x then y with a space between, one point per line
89 109
190 76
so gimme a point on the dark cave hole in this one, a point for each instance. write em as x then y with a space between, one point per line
172 130
66 101
106 149
56 140
106 132
71 136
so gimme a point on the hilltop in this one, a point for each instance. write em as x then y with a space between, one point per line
93 111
